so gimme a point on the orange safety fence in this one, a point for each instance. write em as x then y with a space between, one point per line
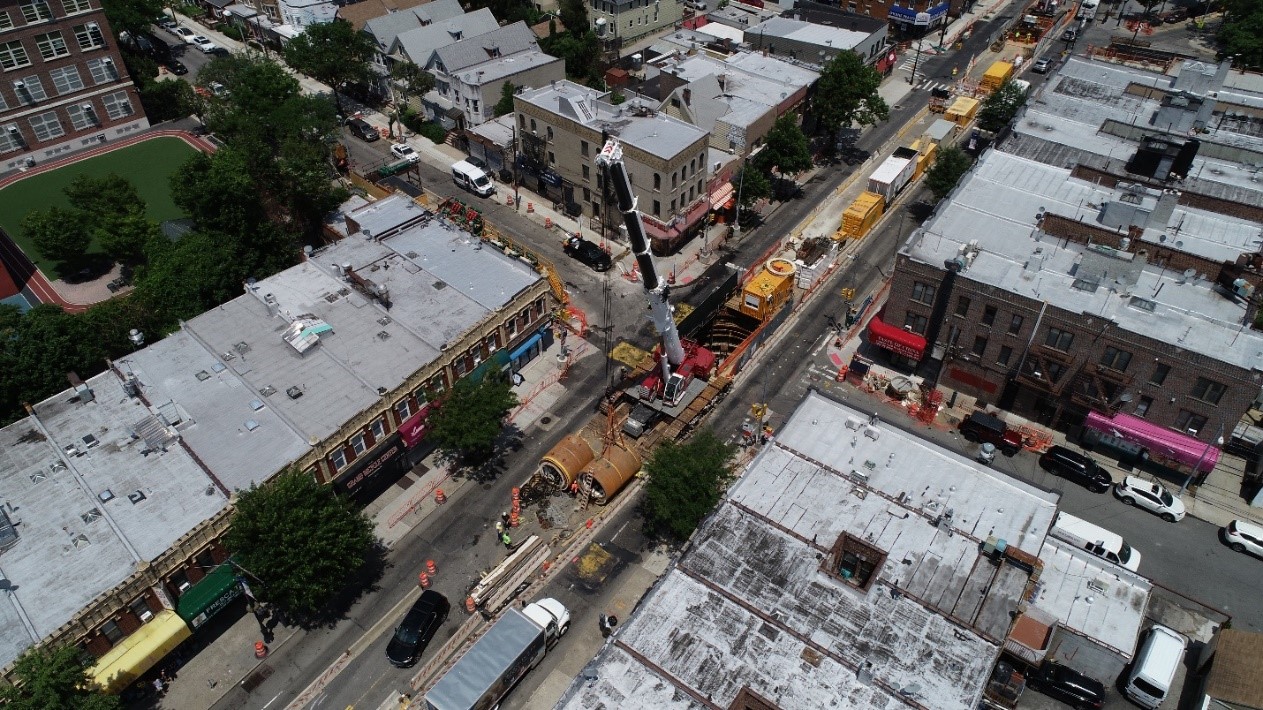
1034 438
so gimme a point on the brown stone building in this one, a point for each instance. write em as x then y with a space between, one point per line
65 87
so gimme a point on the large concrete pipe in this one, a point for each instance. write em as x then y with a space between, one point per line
606 476
561 466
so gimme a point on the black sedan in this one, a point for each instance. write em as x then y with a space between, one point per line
417 629
175 66
1067 685
588 253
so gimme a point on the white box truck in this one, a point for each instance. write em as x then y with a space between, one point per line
892 175
511 647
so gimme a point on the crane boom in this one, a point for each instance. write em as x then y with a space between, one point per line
611 160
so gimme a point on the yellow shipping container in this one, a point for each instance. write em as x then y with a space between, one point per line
996 75
962 110
925 159
861 216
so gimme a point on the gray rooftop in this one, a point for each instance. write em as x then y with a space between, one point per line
387 27
748 92
994 209
749 604
501 42
98 487
1092 597
634 122
508 66
806 32
782 72
419 44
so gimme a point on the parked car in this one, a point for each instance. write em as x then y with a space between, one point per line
585 251
202 43
417 629
1067 685
166 22
980 427
478 163
1041 65
1153 497
184 33
1244 536
403 151
175 66
1076 467
1070 35
363 130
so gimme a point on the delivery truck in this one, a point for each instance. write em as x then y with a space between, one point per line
512 646
891 176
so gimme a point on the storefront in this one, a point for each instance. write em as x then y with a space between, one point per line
209 596
530 348
365 479
903 343
909 22
136 654
1164 445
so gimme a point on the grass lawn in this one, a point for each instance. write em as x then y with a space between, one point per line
147 165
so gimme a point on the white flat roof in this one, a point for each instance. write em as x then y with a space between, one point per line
1094 598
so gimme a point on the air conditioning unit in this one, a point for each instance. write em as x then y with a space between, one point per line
145 616
184 587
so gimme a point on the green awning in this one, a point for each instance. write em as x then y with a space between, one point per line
496 362
208 596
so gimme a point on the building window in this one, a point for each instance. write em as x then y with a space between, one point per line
674 180
66 80
111 631
1116 359
980 346
657 181
117 105
46 126
13 55
1189 422
36 11
459 367
1006 354
358 445
587 197
962 306
10 138
583 148
403 409
140 608
552 159
51 45
1208 390
1055 371
73 6
101 70
988 315
1160 372
30 90
81 120
337 460
6 20
1058 339
493 342
550 133
672 206
915 322
438 383
379 428
1142 407
521 121
1015 324
88 39
923 293
475 106
657 208
586 172
511 326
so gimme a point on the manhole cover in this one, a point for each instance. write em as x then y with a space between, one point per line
545 420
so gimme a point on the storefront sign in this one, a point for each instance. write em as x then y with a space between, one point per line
371 474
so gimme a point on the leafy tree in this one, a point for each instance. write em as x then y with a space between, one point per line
1241 34
846 93
574 15
786 148
752 185
1001 106
409 81
685 483
49 343
59 234
124 238
55 677
581 53
132 16
949 165
333 53
108 197
505 104
471 417
300 542
167 100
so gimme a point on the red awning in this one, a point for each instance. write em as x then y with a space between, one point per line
414 428
720 196
900 342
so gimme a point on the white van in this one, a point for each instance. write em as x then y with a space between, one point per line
1095 539
472 178
1154 667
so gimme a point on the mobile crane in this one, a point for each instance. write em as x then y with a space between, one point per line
680 361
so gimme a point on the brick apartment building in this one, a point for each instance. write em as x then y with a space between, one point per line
1090 267
65 87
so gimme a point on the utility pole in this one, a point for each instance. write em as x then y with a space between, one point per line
915 61
517 199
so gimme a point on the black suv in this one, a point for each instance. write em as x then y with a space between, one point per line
1067 685
588 253
1063 462
363 130
417 629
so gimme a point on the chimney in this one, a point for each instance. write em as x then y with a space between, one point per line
723 82
688 97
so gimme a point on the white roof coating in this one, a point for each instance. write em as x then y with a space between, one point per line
633 122
1094 598
807 33
751 605
501 67
763 84
769 67
995 206
89 511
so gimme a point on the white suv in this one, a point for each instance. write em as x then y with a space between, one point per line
1244 536
1135 490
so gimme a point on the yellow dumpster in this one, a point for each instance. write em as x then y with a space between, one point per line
861 215
996 74
962 110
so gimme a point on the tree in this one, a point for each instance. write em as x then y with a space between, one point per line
1241 34
333 53
131 16
59 234
846 93
55 677
581 52
409 81
1001 106
685 482
167 100
109 196
949 165
505 104
471 417
574 15
124 238
785 149
299 542
752 186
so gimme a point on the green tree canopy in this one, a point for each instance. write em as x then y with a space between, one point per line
685 483
333 53
132 16
55 677
949 165
1001 106
1241 34
409 81
505 104
471 417
581 51
168 100
58 233
786 148
752 185
846 94
574 15
299 541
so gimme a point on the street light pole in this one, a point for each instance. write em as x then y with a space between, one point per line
915 61
1219 439
517 199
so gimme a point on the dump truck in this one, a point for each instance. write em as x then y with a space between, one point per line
512 646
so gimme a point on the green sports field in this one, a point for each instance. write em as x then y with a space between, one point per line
148 165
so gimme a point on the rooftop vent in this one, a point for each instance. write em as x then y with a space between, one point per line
256 404
294 392
382 335
90 441
268 391
105 496
242 348
202 375
91 516
136 496
1143 304
251 425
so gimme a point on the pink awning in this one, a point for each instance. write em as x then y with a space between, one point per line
415 427
1160 441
